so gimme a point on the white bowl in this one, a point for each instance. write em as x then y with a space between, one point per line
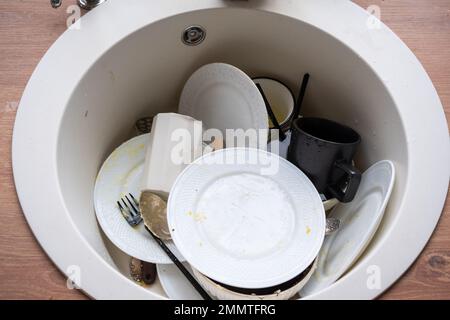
221 293
280 98
74 112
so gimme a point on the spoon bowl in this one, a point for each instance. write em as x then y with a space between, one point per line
154 213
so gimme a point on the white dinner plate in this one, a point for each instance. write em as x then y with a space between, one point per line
121 174
246 218
175 284
223 97
359 221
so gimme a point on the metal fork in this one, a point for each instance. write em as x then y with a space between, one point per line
130 211
133 208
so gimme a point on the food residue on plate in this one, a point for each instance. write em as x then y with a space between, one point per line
197 216
135 151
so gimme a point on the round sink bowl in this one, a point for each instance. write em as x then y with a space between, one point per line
95 81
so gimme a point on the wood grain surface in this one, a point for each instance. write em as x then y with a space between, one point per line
29 27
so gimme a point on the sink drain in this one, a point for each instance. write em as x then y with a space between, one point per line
194 35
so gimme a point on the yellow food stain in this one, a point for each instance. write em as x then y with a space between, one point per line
121 180
197 216
115 154
133 152
308 230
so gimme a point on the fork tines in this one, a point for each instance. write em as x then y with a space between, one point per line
130 210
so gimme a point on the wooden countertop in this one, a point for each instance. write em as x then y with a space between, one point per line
29 27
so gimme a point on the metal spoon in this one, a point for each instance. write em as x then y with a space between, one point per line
154 213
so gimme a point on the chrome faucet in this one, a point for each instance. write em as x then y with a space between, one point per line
84 4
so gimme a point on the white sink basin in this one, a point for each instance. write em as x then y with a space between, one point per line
127 60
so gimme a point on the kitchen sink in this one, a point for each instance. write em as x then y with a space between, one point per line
127 60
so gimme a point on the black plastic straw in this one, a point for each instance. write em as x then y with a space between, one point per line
301 97
180 266
271 114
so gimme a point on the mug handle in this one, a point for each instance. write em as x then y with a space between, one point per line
353 179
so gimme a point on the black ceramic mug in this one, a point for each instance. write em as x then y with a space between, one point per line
324 151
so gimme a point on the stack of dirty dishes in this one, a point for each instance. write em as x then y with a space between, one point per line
235 190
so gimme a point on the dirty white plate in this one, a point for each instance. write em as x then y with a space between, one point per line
359 222
223 97
246 218
175 284
121 174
